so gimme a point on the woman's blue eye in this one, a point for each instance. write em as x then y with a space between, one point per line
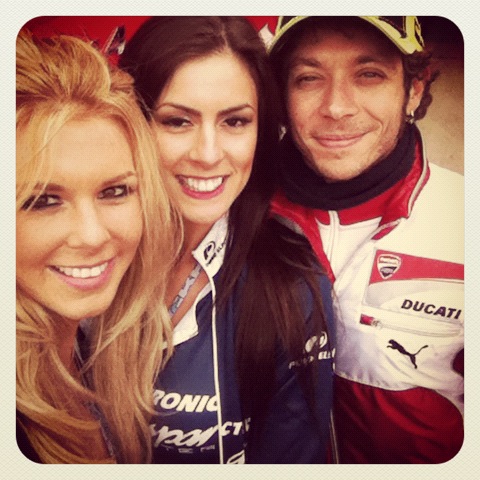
41 202
117 191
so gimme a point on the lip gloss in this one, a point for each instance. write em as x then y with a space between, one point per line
91 283
203 195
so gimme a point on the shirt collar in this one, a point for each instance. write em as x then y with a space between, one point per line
211 250
210 254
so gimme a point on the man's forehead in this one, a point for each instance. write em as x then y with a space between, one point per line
358 41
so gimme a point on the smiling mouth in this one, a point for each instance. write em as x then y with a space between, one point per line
81 272
338 141
201 185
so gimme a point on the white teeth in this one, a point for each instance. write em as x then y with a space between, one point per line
84 272
203 185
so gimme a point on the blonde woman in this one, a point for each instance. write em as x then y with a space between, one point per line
95 236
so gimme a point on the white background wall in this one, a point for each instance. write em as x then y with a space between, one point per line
443 126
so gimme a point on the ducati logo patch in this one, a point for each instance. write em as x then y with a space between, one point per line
388 264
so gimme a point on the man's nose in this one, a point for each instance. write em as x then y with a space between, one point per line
338 99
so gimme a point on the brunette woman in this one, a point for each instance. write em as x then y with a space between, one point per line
250 379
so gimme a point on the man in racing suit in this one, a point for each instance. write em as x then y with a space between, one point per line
386 224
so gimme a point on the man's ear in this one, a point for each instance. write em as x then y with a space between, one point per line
415 95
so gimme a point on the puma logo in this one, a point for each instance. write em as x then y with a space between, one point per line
412 356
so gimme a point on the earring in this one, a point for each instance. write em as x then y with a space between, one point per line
411 117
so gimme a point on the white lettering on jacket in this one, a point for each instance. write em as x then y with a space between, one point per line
185 403
317 343
194 438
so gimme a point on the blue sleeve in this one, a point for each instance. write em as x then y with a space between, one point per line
293 432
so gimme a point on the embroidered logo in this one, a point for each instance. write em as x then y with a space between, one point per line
209 251
388 264
396 346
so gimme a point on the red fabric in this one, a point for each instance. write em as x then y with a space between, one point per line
97 28
423 426
373 208
390 205
259 22
100 27
393 204
419 268
305 219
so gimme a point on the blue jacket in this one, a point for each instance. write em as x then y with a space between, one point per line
196 395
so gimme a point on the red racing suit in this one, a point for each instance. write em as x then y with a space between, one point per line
397 266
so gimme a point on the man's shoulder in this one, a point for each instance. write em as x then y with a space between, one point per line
442 174
292 215
444 188
436 224
442 193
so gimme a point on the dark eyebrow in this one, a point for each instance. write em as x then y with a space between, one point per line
236 108
304 62
367 59
179 106
385 60
194 112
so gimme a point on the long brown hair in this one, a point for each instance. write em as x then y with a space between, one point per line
270 310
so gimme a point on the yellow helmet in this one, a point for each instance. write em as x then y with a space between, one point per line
404 32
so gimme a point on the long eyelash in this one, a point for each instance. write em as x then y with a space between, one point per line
126 191
28 203
243 121
129 189
174 122
34 202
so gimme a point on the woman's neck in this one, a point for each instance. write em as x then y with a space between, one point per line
194 233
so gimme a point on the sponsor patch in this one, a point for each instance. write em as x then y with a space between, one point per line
408 292
388 264
409 267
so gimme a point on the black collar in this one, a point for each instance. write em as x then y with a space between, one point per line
305 187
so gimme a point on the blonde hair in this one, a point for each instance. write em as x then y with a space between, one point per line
61 79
